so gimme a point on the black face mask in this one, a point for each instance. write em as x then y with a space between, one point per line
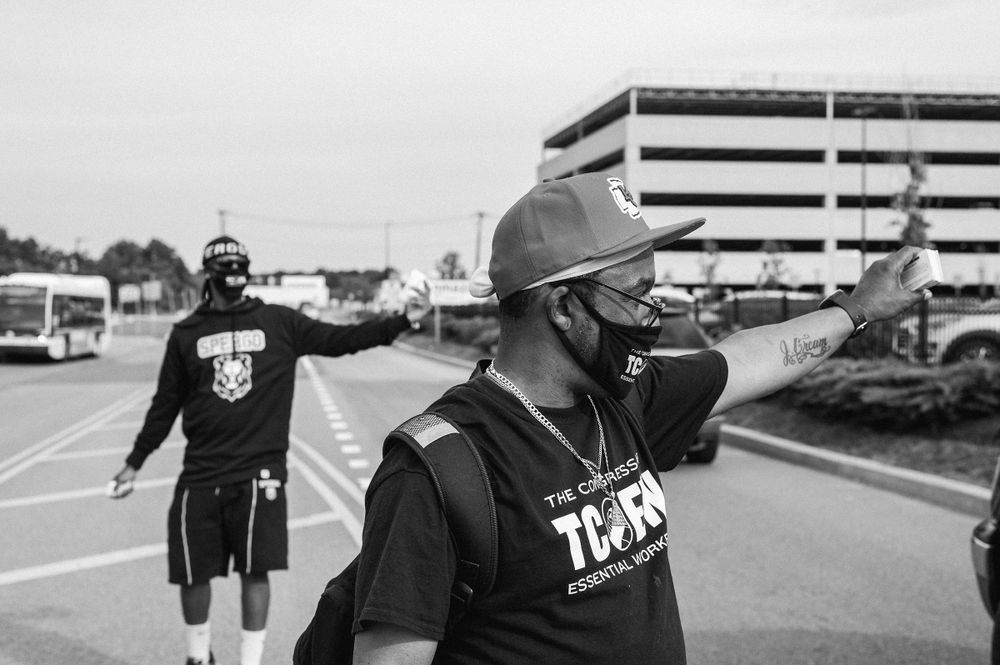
621 354
229 278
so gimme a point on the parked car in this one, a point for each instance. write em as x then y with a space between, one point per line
954 335
986 562
682 335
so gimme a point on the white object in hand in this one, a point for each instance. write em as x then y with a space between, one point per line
923 271
416 285
117 490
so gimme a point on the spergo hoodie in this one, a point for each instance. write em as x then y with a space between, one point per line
232 374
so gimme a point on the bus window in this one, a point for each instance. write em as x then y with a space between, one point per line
77 311
22 309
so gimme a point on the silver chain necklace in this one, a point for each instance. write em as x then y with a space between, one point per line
602 455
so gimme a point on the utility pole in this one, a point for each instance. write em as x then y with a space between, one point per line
864 112
222 222
75 267
479 236
387 225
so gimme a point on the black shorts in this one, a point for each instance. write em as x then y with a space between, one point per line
247 521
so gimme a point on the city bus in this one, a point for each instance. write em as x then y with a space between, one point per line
58 316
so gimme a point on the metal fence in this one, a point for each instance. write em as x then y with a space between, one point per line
940 330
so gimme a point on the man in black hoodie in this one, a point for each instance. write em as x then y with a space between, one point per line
230 368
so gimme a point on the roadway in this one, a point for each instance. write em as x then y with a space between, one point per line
774 563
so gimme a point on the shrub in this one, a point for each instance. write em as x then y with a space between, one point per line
893 395
483 332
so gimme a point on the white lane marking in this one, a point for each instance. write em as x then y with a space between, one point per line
136 425
124 556
107 452
30 456
364 482
344 514
329 469
71 495
82 563
339 512
341 430
350 449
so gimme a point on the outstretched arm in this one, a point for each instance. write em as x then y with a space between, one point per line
767 358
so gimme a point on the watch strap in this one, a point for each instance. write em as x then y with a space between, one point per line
840 299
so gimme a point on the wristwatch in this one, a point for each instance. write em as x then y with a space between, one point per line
840 299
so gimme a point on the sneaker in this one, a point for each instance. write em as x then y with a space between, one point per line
192 661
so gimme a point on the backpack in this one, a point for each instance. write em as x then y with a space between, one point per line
464 491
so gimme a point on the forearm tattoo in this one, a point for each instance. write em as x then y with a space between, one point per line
802 349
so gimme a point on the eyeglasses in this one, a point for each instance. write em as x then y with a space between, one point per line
231 263
654 305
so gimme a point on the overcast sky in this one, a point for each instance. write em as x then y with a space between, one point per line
316 123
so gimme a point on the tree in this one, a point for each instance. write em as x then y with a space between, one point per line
28 255
450 266
773 269
126 262
708 261
354 285
913 225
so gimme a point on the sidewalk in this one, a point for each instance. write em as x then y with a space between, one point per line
952 494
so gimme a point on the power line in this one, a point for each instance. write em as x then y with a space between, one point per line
352 224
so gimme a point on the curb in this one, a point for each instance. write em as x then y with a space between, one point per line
955 495
952 494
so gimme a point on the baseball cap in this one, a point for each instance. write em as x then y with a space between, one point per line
575 220
224 246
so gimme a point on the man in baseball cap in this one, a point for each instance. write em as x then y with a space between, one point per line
227 268
566 228
573 420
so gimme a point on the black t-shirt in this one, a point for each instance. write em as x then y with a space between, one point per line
571 587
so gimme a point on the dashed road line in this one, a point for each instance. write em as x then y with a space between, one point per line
335 420
343 481
337 506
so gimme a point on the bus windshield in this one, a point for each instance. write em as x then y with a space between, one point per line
22 309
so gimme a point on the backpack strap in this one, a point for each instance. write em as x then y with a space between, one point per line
464 489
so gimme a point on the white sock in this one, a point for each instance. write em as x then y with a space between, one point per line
252 646
199 639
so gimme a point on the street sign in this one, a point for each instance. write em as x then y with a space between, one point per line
451 292
129 293
152 290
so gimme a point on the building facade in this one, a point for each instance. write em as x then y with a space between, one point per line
809 167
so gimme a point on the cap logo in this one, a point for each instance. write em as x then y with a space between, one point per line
623 198
224 249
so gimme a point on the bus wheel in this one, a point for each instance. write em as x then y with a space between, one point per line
57 348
